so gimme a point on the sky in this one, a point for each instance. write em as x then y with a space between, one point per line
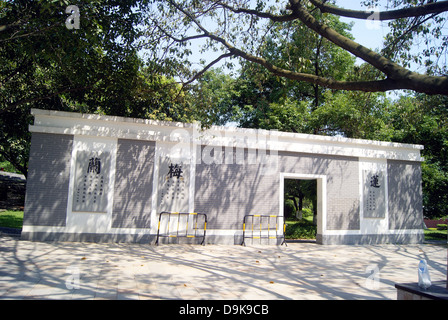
367 33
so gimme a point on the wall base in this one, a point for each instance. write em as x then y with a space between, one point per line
88 237
368 239
235 239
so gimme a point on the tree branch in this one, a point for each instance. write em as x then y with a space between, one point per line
266 15
391 48
429 8
413 80
397 76
21 66
375 59
200 73
20 102
32 33
11 25
190 16
366 86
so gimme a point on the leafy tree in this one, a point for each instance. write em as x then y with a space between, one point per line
284 104
44 64
213 97
95 68
297 191
239 29
424 120
354 115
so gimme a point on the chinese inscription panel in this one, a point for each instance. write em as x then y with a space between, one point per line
374 194
173 185
91 181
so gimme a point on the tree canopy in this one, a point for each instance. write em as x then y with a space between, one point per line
94 68
242 28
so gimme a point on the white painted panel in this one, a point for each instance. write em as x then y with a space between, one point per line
374 218
91 221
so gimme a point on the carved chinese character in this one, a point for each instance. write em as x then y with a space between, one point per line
94 165
374 181
175 171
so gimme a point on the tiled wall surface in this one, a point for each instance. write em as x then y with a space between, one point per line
48 180
133 184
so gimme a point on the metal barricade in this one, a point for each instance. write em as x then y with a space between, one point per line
183 225
261 227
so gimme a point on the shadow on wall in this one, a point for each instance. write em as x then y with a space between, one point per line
48 180
342 184
228 192
405 195
133 184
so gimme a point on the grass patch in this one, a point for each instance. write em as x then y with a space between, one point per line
11 219
304 229
435 234
300 229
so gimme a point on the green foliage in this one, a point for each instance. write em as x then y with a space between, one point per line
94 69
353 115
45 65
289 208
442 226
7 166
271 102
299 194
434 234
424 120
302 229
213 98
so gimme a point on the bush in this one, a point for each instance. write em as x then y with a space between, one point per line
289 208
442 226
307 212
434 234
300 230
7 167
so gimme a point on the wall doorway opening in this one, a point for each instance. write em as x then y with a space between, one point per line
303 202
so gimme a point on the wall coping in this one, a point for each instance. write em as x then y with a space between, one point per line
62 122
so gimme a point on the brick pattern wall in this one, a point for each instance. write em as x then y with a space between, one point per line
228 192
48 180
133 184
342 184
405 195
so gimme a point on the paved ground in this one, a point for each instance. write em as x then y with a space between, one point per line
63 270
